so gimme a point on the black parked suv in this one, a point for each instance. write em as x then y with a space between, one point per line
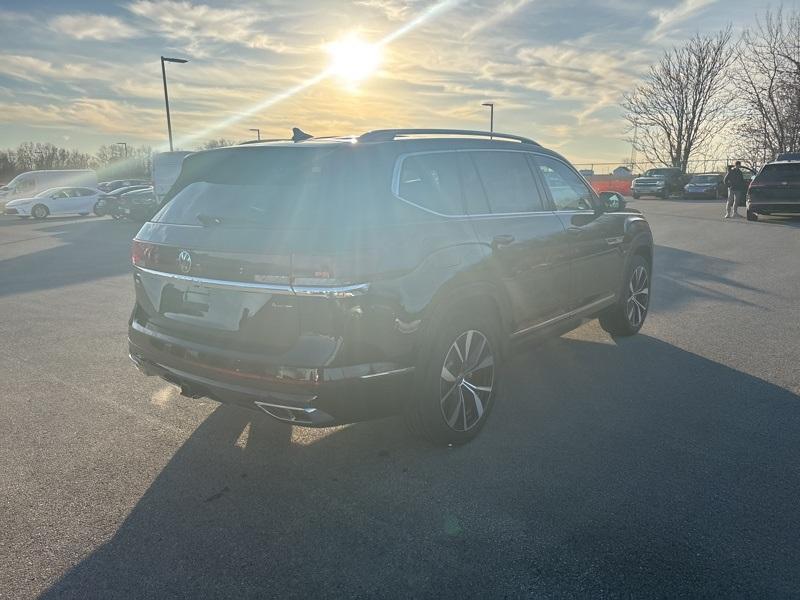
331 281
776 189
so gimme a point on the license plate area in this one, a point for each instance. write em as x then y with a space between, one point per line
246 316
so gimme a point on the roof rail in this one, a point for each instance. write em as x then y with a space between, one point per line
387 135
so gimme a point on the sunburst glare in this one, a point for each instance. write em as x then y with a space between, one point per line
353 59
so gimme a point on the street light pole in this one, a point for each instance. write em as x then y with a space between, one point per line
491 118
164 59
258 132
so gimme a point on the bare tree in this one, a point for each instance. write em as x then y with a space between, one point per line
684 101
767 81
111 163
217 143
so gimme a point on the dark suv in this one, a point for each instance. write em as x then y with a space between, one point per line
776 189
331 281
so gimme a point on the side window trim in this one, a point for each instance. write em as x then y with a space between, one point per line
398 165
595 199
468 157
544 190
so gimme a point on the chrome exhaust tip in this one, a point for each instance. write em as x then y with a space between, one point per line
296 415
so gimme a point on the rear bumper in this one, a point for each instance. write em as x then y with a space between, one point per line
791 208
313 397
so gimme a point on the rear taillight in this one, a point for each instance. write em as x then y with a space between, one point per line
144 255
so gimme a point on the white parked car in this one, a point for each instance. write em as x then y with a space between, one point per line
28 184
56 201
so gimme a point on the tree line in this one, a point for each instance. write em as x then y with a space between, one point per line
722 95
111 161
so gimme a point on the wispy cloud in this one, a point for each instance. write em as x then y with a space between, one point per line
671 17
196 24
505 11
92 27
394 10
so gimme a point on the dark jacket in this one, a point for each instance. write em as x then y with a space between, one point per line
734 179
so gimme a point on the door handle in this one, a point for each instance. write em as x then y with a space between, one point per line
502 240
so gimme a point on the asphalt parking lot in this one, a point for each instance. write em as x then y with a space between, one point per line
664 465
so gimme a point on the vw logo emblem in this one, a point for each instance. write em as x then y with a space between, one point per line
185 261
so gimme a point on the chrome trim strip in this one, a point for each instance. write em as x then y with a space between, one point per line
345 291
565 316
385 373
308 410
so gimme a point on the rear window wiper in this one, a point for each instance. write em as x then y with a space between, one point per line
208 220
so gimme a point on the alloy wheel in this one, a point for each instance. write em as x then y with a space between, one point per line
467 381
639 296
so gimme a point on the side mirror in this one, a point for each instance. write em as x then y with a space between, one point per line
612 201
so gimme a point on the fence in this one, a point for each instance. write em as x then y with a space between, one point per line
618 177
712 165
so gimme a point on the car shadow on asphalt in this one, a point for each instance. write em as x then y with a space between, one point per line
682 277
86 250
608 469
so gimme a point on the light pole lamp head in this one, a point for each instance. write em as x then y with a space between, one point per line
174 60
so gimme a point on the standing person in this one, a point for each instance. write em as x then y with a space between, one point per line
734 180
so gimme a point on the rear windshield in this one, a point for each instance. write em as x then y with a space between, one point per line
706 179
281 187
780 172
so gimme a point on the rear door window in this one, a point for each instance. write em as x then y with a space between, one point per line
568 190
432 181
508 181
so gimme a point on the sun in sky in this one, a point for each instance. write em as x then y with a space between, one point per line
353 60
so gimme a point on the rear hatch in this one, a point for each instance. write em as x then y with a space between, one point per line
247 234
777 182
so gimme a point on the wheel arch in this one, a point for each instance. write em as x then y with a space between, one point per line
472 297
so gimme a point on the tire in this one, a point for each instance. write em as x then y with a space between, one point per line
751 216
636 196
628 314
100 212
450 406
39 212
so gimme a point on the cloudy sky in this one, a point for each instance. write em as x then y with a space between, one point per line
81 73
